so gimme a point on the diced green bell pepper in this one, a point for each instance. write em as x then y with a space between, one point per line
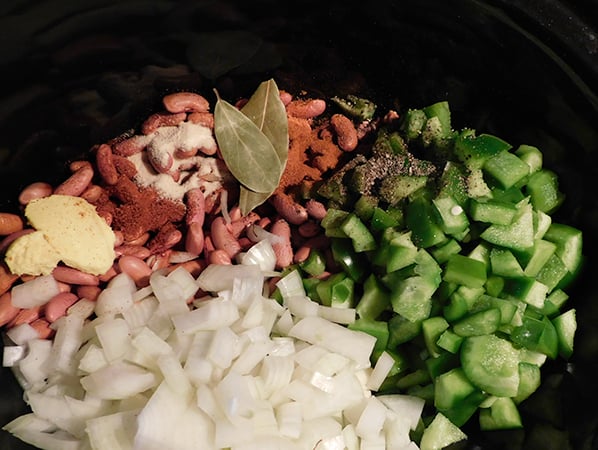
452 217
537 335
506 169
543 190
352 263
358 232
492 211
432 328
501 415
474 151
465 271
420 218
374 300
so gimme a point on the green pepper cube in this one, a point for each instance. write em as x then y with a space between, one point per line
506 169
402 330
421 219
529 381
441 433
413 123
569 242
554 274
478 324
453 219
474 151
538 335
364 206
542 222
477 186
358 232
314 264
554 302
519 235
412 298
492 211
504 263
342 293
393 189
374 300
566 326
381 220
352 263
542 252
441 111
432 328
465 271
449 341
543 189
332 222
324 288
526 289
452 182
451 389
400 252
502 415
443 252
530 155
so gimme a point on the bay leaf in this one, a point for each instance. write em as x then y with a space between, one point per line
267 111
247 152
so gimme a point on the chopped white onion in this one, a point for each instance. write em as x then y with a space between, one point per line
35 292
235 370
22 333
12 354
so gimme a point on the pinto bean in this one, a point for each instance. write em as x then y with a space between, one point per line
10 223
58 305
105 164
239 225
93 193
223 238
285 97
77 183
7 310
309 229
185 102
108 275
166 238
140 240
282 249
132 250
301 254
162 119
74 276
36 190
346 134
161 163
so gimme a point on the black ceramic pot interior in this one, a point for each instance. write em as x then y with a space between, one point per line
76 74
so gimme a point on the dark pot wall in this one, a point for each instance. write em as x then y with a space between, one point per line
76 74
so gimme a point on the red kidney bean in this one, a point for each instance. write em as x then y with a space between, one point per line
57 305
64 287
74 276
301 254
131 146
88 292
245 243
202 118
119 238
136 268
185 102
159 162
107 216
7 279
309 229
140 240
219 257
282 249
93 193
42 326
7 310
105 164
346 134
78 164
108 275
36 190
77 183
223 238
162 119
25 316
166 238
315 209
194 267
285 97
132 250
196 206
10 223
194 240
306 109
288 208
239 225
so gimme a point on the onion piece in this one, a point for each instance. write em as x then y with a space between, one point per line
35 292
